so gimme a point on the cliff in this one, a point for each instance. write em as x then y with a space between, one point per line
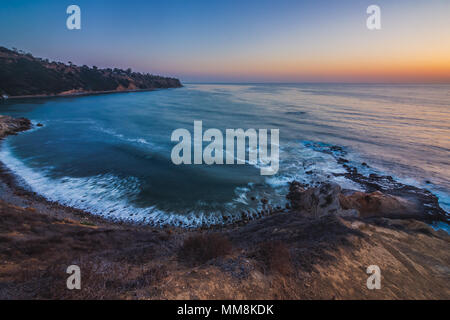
21 74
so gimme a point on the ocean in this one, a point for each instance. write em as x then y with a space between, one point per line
111 154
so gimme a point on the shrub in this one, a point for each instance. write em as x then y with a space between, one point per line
199 249
99 280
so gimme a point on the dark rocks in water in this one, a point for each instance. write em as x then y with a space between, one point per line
295 113
336 148
335 151
264 201
309 172
365 164
39 125
342 160
296 186
253 198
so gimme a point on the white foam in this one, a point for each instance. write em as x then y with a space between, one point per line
124 138
105 195
296 160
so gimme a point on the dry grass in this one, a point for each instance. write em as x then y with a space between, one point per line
276 257
99 280
199 249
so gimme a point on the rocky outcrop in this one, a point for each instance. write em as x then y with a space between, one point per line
317 202
427 204
377 204
421 202
10 125
328 199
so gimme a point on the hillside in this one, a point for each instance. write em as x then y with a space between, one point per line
21 74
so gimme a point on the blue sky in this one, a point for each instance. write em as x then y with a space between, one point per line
246 40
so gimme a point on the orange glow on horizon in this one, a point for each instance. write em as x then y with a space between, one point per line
369 70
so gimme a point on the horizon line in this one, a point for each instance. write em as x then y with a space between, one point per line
313 82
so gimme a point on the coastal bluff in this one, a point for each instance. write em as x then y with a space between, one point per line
23 75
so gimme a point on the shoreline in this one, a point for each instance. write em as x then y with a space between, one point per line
13 192
82 93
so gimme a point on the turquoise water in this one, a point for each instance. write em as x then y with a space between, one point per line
110 154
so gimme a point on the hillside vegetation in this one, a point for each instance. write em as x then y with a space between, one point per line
22 74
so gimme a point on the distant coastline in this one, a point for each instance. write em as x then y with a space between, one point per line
76 94
24 76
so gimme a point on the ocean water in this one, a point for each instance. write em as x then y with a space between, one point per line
110 154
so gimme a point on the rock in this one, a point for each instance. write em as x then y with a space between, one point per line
427 204
327 199
378 204
39 125
9 125
317 202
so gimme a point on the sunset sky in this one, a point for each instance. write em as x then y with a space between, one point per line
241 40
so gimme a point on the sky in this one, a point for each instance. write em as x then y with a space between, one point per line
241 40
